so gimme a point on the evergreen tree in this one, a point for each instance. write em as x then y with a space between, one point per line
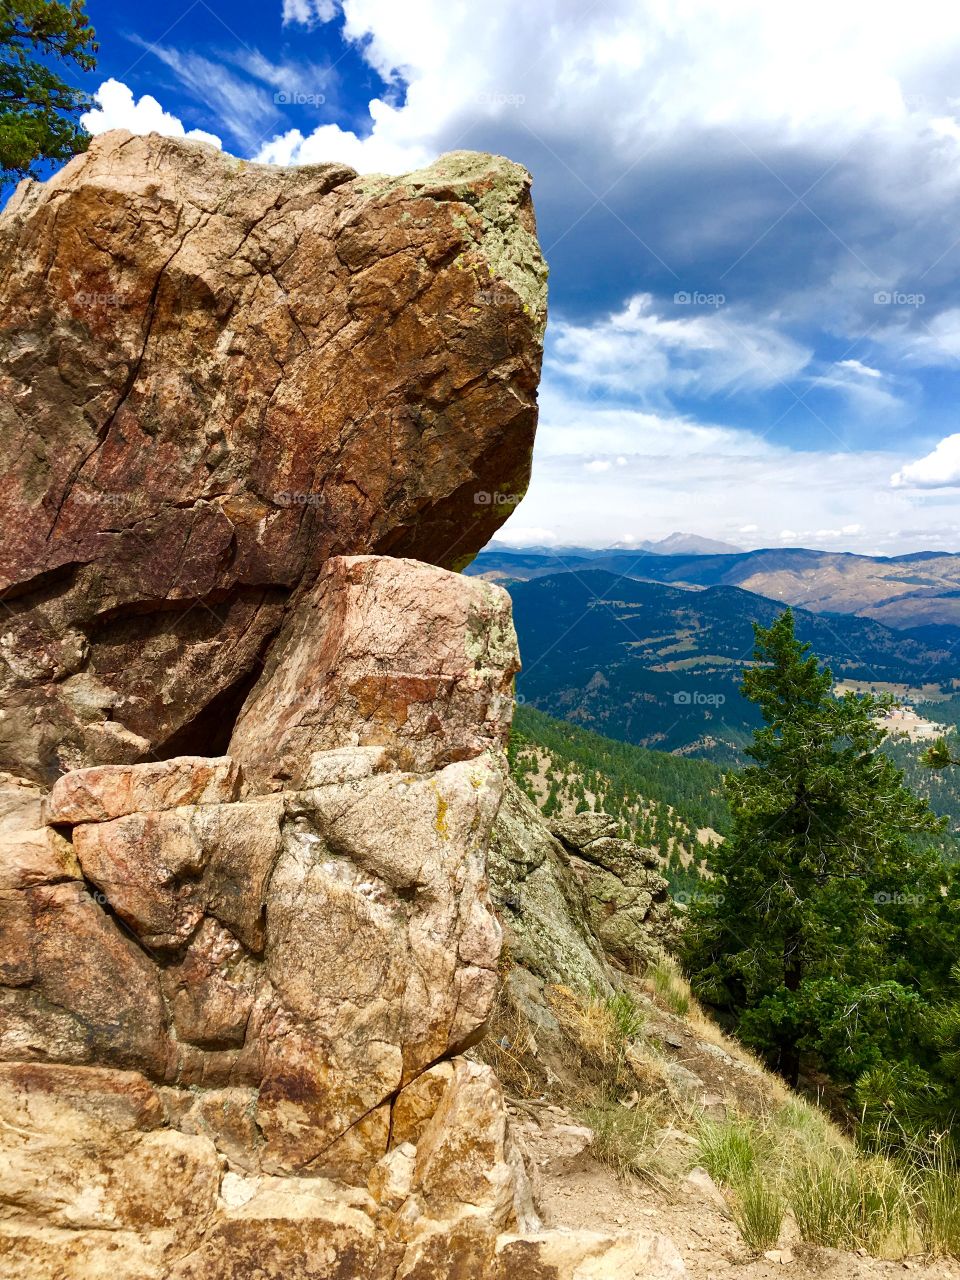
821 880
38 109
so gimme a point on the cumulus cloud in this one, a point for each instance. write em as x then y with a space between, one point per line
117 109
746 66
379 153
642 352
938 470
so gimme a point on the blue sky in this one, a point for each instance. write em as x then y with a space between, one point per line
751 214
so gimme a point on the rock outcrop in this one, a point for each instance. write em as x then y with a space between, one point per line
246 938
335 678
542 904
575 899
215 375
628 901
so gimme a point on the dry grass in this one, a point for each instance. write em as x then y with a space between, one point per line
669 986
854 1202
510 1047
598 1031
625 1139
665 982
788 1157
840 1197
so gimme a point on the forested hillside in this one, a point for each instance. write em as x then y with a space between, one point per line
661 666
663 802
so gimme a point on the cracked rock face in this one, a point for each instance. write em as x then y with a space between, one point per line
319 949
214 375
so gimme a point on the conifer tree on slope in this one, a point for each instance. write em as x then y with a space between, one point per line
822 879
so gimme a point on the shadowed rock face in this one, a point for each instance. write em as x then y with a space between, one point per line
215 375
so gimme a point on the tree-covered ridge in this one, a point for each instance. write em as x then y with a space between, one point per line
941 790
662 801
662 667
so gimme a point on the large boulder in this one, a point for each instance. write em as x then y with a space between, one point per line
214 375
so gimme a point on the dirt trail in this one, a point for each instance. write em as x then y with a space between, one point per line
574 1190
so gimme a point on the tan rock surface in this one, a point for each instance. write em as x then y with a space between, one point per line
383 653
322 947
114 791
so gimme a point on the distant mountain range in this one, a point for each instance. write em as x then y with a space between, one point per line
919 593
660 665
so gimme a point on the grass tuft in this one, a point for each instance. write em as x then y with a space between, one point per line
758 1209
853 1202
670 986
938 1199
624 1139
728 1151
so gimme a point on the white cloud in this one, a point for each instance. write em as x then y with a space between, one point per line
830 535
934 341
117 109
643 353
376 154
598 464
868 389
307 12
247 110
708 479
858 368
524 536
620 75
938 470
